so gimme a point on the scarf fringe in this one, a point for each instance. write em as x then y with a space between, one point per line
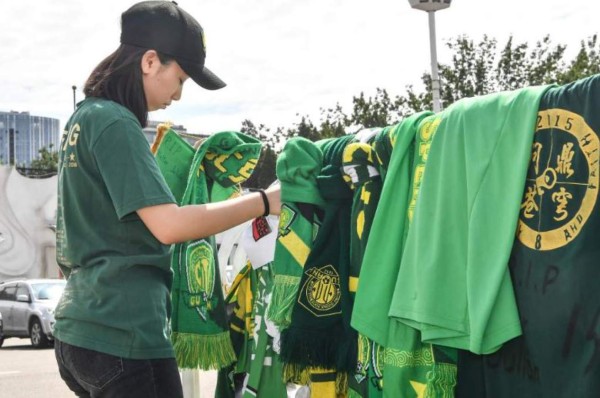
296 374
310 347
301 376
206 352
341 383
334 348
441 381
285 290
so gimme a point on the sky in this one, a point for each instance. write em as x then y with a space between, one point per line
279 58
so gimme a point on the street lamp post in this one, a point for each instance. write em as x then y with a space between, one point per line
74 101
431 6
2 145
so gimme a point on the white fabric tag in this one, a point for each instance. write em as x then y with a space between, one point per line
258 240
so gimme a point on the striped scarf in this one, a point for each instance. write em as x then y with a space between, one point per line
297 169
199 324
320 335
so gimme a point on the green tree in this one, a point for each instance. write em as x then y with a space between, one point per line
264 173
586 62
476 68
47 162
306 129
377 111
481 68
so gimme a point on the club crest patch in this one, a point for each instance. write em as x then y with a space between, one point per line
562 182
200 273
321 292
286 218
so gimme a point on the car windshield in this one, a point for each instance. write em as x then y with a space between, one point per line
48 291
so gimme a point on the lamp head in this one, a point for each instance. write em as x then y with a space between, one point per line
430 5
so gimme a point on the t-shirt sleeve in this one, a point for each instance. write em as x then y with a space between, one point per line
128 168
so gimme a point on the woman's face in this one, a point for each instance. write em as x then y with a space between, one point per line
162 83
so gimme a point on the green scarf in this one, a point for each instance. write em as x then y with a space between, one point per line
324 383
365 181
297 168
320 335
241 321
174 156
199 323
240 328
265 376
383 144
257 360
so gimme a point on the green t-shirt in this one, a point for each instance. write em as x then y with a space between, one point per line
454 285
117 296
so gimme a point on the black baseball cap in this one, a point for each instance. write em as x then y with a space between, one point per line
163 26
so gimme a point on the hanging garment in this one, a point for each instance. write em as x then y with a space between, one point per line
454 284
241 327
412 368
368 379
297 168
359 165
200 334
554 262
324 383
265 376
383 252
174 156
365 182
241 321
320 335
405 362
383 144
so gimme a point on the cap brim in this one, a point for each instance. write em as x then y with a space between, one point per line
202 76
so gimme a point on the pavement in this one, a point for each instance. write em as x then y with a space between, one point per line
26 372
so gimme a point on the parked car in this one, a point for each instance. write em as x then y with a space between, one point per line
27 309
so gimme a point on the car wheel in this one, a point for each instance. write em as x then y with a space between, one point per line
37 335
1 341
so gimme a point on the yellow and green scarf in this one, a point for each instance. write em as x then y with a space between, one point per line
319 336
361 172
199 324
298 166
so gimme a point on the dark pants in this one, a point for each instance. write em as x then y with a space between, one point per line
94 374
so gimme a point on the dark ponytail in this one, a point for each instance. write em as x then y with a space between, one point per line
119 78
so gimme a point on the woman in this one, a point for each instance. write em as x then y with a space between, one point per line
116 215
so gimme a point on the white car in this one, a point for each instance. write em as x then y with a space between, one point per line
27 309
